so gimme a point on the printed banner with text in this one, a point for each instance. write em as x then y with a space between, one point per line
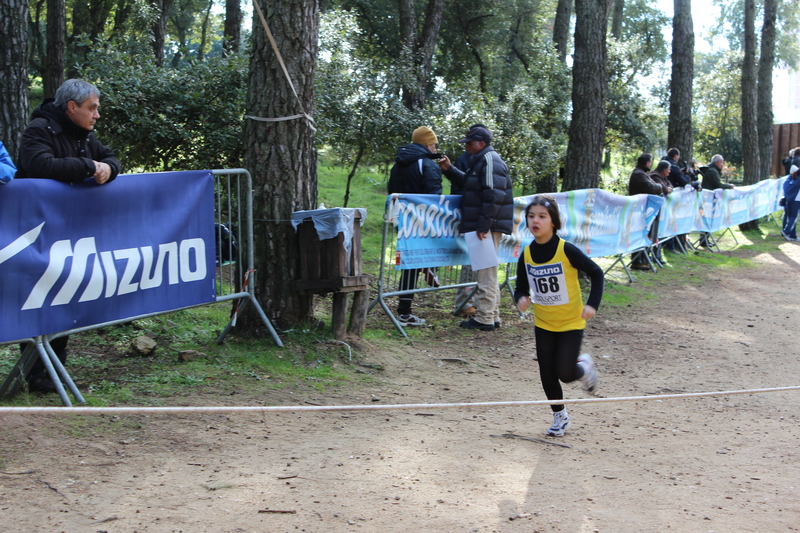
598 222
77 255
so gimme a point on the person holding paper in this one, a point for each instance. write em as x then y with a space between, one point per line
487 209
59 144
548 271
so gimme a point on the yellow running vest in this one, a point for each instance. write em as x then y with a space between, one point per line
555 292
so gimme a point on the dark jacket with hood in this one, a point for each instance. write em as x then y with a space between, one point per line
54 147
414 172
712 180
676 177
487 201
640 182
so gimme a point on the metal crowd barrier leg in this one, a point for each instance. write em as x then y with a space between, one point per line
61 371
16 377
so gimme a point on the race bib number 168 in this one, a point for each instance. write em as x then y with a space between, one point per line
548 284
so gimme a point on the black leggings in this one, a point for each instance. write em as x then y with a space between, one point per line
557 352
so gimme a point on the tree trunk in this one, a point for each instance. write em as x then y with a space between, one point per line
679 132
421 47
749 123
765 65
233 27
53 75
280 155
163 7
201 51
561 28
616 19
88 18
589 90
14 110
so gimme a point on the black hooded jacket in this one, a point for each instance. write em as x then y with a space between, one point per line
54 147
414 172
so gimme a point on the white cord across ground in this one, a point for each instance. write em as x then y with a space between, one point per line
374 407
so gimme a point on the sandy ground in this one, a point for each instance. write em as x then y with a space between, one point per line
712 464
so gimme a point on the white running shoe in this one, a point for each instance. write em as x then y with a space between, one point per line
411 320
561 423
589 380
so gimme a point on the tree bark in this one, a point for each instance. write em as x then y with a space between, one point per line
53 75
589 90
749 122
679 132
163 8
561 28
233 27
14 110
281 156
616 19
421 46
765 66
88 18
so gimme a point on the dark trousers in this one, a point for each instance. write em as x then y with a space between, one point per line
557 353
38 370
408 282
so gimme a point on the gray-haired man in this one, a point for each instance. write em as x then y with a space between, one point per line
59 144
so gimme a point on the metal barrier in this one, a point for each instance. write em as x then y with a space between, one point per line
437 279
233 206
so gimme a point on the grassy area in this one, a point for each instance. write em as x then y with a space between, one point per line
107 374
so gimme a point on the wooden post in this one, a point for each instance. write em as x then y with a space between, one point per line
358 315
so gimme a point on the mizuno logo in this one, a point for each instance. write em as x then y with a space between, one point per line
178 262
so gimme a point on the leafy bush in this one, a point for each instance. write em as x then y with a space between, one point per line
161 118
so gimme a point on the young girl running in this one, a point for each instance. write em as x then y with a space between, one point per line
549 270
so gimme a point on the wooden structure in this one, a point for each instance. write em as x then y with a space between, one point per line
785 137
325 266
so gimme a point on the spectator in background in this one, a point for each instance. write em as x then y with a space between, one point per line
676 177
7 168
787 163
661 176
640 182
487 208
791 189
712 176
59 144
414 172
464 295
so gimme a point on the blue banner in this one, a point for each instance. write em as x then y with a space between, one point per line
598 222
77 255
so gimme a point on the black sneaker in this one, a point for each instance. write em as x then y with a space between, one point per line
42 384
474 324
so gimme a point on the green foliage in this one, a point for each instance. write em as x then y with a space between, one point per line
161 118
717 113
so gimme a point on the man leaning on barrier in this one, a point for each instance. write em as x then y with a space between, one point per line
487 208
59 144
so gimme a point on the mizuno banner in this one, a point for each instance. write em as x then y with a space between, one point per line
77 255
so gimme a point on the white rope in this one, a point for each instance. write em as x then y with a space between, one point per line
408 406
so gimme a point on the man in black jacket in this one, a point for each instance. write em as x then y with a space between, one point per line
59 144
487 208
414 172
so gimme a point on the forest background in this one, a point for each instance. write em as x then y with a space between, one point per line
574 90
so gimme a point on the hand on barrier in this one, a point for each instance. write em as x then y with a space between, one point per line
102 172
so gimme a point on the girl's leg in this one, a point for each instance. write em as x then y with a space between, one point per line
568 349
546 349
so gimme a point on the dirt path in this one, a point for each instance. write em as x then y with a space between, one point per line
721 464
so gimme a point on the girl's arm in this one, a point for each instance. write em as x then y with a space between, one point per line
583 263
522 292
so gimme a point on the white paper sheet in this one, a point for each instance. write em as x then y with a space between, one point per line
481 252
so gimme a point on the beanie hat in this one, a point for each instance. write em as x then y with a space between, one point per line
424 135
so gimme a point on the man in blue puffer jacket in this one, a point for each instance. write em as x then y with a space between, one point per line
791 189
487 208
7 168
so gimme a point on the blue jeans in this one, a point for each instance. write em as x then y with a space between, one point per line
790 218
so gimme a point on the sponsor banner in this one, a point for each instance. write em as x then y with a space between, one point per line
427 230
78 255
598 222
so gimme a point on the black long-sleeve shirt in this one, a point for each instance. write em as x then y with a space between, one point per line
542 253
